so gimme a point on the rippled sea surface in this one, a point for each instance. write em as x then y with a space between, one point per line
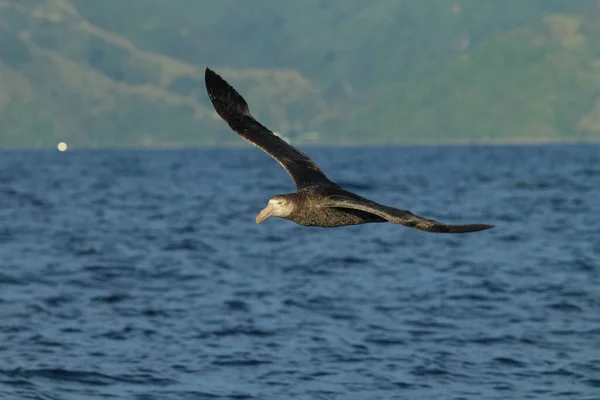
142 275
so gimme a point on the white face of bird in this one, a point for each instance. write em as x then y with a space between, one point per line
278 206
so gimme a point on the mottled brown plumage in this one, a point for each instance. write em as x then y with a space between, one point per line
318 201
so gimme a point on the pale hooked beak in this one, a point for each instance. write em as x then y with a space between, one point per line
264 214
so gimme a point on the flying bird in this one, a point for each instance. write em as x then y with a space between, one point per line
318 201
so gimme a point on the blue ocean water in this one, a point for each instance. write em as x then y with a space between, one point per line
142 275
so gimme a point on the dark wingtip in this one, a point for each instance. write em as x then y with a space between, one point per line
472 228
228 103
211 79
209 74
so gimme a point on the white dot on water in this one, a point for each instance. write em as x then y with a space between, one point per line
62 146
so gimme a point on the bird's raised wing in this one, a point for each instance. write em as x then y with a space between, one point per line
402 217
232 107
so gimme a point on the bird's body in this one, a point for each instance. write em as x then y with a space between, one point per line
318 201
311 208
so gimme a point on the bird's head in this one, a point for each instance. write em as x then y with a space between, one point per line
279 206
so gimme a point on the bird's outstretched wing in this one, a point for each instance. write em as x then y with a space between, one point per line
402 217
232 107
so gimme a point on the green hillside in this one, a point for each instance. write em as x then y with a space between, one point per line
130 73
538 83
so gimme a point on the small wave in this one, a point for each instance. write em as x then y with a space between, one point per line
507 361
492 340
12 280
240 331
474 297
111 299
423 371
385 341
85 377
189 244
403 385
40 340
589 173
565 307
325 266
125 333
514 237
541 185
6 235
562 372
431 323
197 395
274 239
595 383
237 305
24 198
347 260
58 301
152 312
189 228
244 362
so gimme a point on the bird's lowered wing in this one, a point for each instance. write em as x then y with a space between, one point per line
232 107
402 217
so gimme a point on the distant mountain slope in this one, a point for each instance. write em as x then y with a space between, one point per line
63 78
130 73
536 83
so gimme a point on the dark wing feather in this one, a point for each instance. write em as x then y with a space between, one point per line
402 217
232 107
